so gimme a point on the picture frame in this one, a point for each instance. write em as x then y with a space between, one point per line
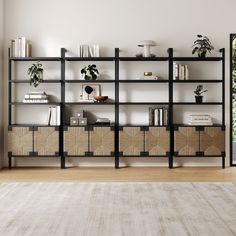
96 91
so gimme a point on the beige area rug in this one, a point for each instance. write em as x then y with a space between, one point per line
107 209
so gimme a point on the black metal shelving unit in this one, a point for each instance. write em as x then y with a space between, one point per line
117 103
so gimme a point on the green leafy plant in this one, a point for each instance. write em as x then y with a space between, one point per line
90 72
35 73
202 45
199 90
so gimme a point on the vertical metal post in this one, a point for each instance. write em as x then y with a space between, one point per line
170 51
9 100
116 108
231 97
61 132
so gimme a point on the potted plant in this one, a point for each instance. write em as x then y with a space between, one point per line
198 93
202 45
90 72
35 73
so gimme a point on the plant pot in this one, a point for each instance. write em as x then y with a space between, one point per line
202 55
198 99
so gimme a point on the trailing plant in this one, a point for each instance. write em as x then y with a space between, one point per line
35 73
199 90
202 45
90 72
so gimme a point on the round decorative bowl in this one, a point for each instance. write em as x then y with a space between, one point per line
100 98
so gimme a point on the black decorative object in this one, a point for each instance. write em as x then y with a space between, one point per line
198 92
88 89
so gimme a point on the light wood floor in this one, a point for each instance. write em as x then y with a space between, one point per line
119 175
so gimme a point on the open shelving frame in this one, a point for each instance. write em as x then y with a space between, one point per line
170 59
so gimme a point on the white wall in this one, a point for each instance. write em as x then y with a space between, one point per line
111 23
1 77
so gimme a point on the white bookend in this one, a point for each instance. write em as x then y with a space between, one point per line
16 48
182 72
58 108
186 73
175 77
23 47
156 117
161 116
19 47
49 116
91 52
54 116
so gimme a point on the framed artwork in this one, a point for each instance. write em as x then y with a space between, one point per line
90 90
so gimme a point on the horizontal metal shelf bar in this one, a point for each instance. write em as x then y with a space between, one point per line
27 81
143 103
199 156
90 58
49 156
90 81
144 81
33 125
197 81
89 103
142 156
199 104
88 156
34 103
143 58
197 59
35 58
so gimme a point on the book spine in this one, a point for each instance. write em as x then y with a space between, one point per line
156 117
23 47
58 109
31 96
161 116
54 116
49 116
151 116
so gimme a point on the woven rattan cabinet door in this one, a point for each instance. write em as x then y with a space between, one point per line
76 141
131 141
157 141
46 141
186 141
212 141
20 141
101 141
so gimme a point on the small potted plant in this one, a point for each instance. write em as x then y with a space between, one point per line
198 93
35 73
90 72
202 45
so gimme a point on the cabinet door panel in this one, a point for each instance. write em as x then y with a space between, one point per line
186 140
131 141
157 141
101 141
20 141
76 141
212 141
46 141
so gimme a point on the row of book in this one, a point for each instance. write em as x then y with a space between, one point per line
200 120
89 50
36 97
158 116
20 47
180 72
54 115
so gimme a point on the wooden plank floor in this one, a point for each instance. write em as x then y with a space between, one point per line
131 174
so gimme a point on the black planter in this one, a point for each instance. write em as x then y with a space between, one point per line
202 55
198 99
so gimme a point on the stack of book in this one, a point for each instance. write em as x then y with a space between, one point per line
89 50
20 48
180 72
54 115
158 116
200 120
36 97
